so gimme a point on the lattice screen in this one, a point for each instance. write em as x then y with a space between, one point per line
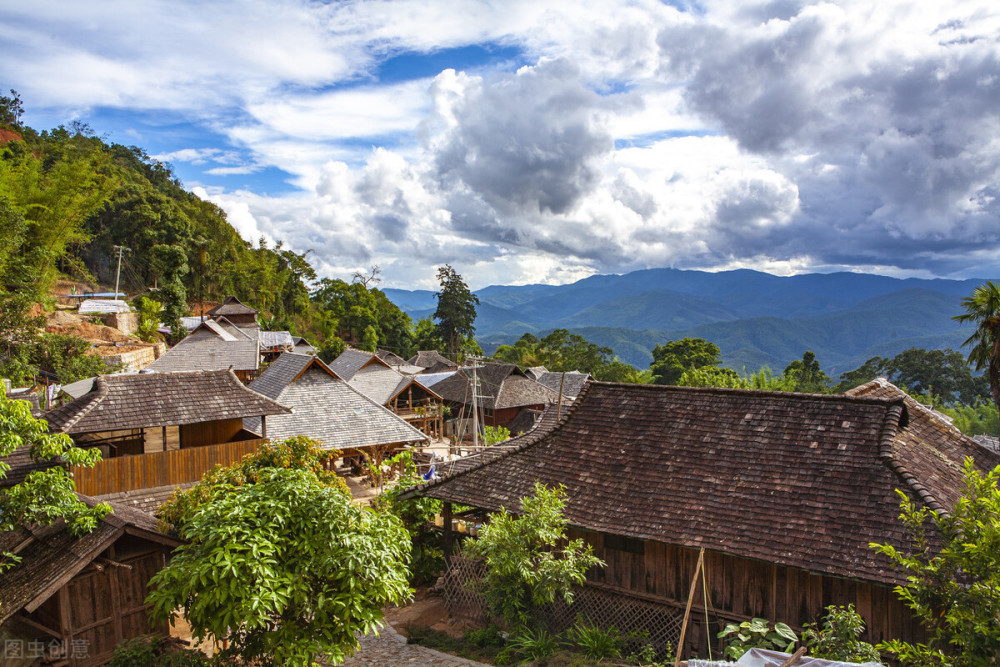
647 622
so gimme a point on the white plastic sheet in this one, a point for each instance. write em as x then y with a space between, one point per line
757 657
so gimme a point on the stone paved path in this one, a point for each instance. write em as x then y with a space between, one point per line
391 650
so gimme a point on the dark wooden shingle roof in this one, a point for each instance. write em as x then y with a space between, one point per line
50 556
231 306
500 385
801 480
146 400
431 359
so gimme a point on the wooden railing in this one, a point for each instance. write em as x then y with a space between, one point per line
147 471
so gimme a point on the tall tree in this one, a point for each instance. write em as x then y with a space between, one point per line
807 375
456 309
982 308
672 359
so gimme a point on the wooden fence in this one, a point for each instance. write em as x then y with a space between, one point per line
147 471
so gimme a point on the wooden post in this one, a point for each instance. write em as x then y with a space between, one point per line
687 611
446 515
263 426
163 434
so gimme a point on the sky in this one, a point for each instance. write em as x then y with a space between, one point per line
545 141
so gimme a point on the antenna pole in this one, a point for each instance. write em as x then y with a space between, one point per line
118 273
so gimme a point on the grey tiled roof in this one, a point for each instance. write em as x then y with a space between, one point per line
303 346
326 408
146 501
145 400
205 349
390 358
353 360
383 384
270 339
572 382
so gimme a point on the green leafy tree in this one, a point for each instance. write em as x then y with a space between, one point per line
528 559
673 358
954 589
942 373
982 309
807 375
286 566
427 337
494 435
456 309
45 495
148 311
11 110
171 264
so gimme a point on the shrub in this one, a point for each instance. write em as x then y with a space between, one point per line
525 565
837 638
758 633
533 644
595 643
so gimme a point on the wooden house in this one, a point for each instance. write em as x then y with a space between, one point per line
783 491
504 391
432 361
328 409
72 600
235 311
405 395
161 429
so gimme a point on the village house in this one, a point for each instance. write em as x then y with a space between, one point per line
328 409
157 430
72 600
432 361
214 345
504 392
405 395
784 492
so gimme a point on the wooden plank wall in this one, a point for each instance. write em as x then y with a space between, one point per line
105 607
741 588
148 471
209 433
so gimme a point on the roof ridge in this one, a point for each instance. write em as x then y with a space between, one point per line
896 418
102 392
793 395
232 376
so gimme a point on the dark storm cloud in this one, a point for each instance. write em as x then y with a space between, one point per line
525 141
892 149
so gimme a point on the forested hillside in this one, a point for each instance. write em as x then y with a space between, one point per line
68 198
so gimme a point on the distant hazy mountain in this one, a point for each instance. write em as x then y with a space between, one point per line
757 319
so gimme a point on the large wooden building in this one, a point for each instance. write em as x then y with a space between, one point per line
783 491
71 600
160 429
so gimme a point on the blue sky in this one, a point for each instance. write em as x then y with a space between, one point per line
545 141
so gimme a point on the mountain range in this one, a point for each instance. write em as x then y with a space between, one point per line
756 319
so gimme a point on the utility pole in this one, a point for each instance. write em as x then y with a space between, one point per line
118 273
475 403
